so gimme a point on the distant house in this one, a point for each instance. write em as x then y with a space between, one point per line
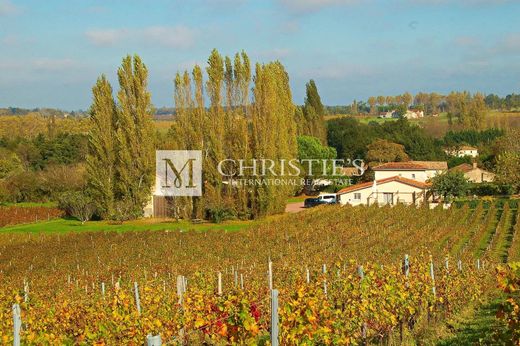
412 114
416 170
386 115
461 151
387 191
473 173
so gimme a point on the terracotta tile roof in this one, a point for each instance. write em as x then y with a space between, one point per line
467 147
412 165
397 178
464 168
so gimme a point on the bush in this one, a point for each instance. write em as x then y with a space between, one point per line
490 189
78 205
218 214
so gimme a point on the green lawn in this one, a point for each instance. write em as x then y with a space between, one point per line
31 204
70 225
297 199
478 328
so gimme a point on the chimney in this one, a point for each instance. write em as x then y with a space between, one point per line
474 165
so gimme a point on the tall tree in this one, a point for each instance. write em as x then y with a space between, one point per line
102 153
407 99
381 100
314 112
273 132
135 142
372 101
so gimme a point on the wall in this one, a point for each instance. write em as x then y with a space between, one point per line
402 192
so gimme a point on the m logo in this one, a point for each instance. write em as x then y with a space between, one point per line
178 173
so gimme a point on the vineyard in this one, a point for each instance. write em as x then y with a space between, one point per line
345 276
13 215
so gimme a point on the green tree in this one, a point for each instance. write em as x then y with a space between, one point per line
382 150
313 98
9 163
77 204
102 154
508 160
310 148
314 112
372 101
407 99
381 101
135 140
450 184
273 132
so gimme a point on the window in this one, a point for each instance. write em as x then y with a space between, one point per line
388 198
357 196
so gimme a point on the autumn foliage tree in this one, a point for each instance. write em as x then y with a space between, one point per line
238 128
121 143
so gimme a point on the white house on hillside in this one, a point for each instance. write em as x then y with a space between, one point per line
415 170
385 191
464 150
411 114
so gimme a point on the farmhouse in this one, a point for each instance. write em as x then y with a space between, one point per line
412 114
474 174
461 151
386 115
416 170
385 191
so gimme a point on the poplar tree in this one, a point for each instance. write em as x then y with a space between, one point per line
214 132
134 139
101 156
273 132
314 113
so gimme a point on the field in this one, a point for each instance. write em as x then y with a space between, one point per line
339 271
438 126
14 215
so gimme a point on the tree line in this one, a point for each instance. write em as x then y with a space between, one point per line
250 115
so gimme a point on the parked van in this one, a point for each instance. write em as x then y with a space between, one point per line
321 199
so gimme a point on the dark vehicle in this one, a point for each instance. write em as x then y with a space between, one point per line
312 202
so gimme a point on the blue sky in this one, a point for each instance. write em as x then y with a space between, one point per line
53 51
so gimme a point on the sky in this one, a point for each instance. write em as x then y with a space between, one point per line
53 51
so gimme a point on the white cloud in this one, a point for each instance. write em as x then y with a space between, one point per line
53 65
105 37
511 43
179 36
467 41
306 6
7 8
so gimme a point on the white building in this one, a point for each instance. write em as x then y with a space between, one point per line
416 170
474 174
461 151
385 191
410 114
